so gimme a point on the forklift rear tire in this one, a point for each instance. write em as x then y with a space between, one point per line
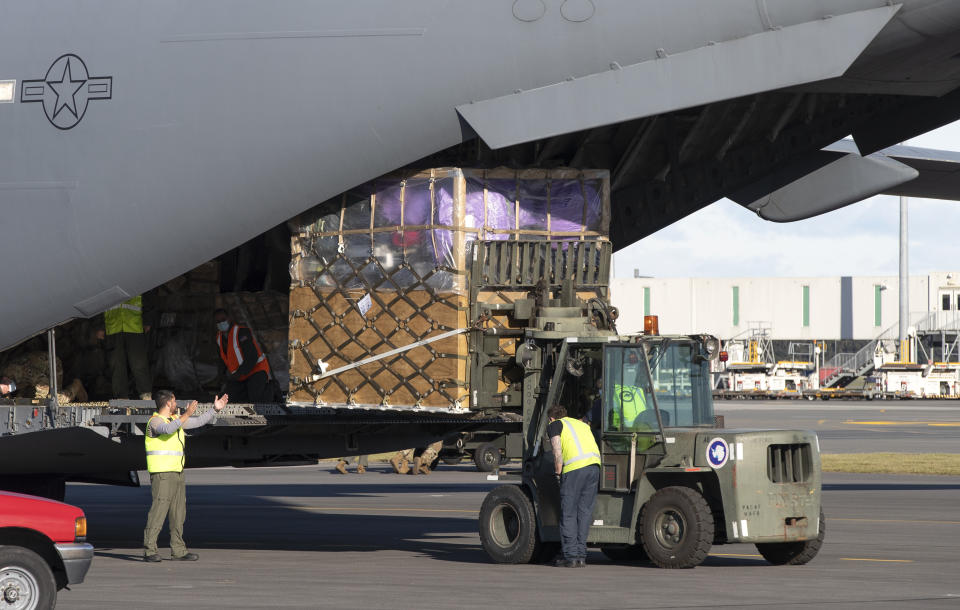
508 525
793 553
486 457
677 528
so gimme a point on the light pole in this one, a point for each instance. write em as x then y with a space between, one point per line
904 284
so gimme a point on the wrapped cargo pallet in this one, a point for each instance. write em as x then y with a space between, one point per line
385 267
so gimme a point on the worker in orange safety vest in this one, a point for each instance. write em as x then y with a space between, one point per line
247 369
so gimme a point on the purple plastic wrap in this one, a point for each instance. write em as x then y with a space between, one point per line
418 222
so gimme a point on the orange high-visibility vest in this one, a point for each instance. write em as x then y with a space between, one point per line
232 355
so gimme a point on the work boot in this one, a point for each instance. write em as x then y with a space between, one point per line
404 467
361 469
424 468
341 467
187 557
417 465
395 462
152 558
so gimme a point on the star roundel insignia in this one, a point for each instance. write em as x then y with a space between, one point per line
66 90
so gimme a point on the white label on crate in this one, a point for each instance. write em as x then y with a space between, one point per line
743 527
670 440
740 451
734 524
7 90
493 477
364 305
598 521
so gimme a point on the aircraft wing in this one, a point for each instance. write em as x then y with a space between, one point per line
838 175
769 60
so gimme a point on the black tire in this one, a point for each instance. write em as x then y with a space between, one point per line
676 528
508 526
793 553
486 457
633 552
452 460
435 463
24 572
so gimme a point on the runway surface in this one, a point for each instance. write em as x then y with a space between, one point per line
901 426
305 537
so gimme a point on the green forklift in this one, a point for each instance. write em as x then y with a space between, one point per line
672 482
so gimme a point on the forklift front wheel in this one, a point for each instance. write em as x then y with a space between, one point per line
677 528
508 526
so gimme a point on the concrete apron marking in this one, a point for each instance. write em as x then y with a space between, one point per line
929 522
875 560
902 423
841 558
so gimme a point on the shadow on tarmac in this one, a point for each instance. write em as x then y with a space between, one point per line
242 517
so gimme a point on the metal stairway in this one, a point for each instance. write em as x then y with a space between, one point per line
849 366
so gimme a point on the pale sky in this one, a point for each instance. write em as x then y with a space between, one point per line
727 240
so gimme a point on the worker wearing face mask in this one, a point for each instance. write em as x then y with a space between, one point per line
247 369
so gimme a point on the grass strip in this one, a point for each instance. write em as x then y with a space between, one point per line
892 463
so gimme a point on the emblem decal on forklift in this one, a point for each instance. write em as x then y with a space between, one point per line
717 452
66 90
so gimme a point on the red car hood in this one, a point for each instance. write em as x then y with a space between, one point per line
55 520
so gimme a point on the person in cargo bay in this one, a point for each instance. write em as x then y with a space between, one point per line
247 369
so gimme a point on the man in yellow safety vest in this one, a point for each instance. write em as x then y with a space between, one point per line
127 343
629 402
577 460
165 443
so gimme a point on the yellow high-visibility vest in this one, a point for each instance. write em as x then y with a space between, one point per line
631 401
165 452
577 445
127 317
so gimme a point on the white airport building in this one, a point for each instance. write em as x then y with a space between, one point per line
799 308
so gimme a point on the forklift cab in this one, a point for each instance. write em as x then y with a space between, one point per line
645 388
648 388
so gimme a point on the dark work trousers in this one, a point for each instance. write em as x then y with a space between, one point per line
252 389
128 348
578 492
169 493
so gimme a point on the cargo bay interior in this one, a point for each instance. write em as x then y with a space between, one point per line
377 268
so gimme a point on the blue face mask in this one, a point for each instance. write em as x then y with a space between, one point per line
223 326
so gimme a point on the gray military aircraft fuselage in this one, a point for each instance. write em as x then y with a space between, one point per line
143 138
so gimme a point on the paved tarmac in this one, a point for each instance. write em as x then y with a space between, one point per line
901 426
305 537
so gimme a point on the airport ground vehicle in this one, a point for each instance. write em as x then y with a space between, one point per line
671 483
42 549
487 450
